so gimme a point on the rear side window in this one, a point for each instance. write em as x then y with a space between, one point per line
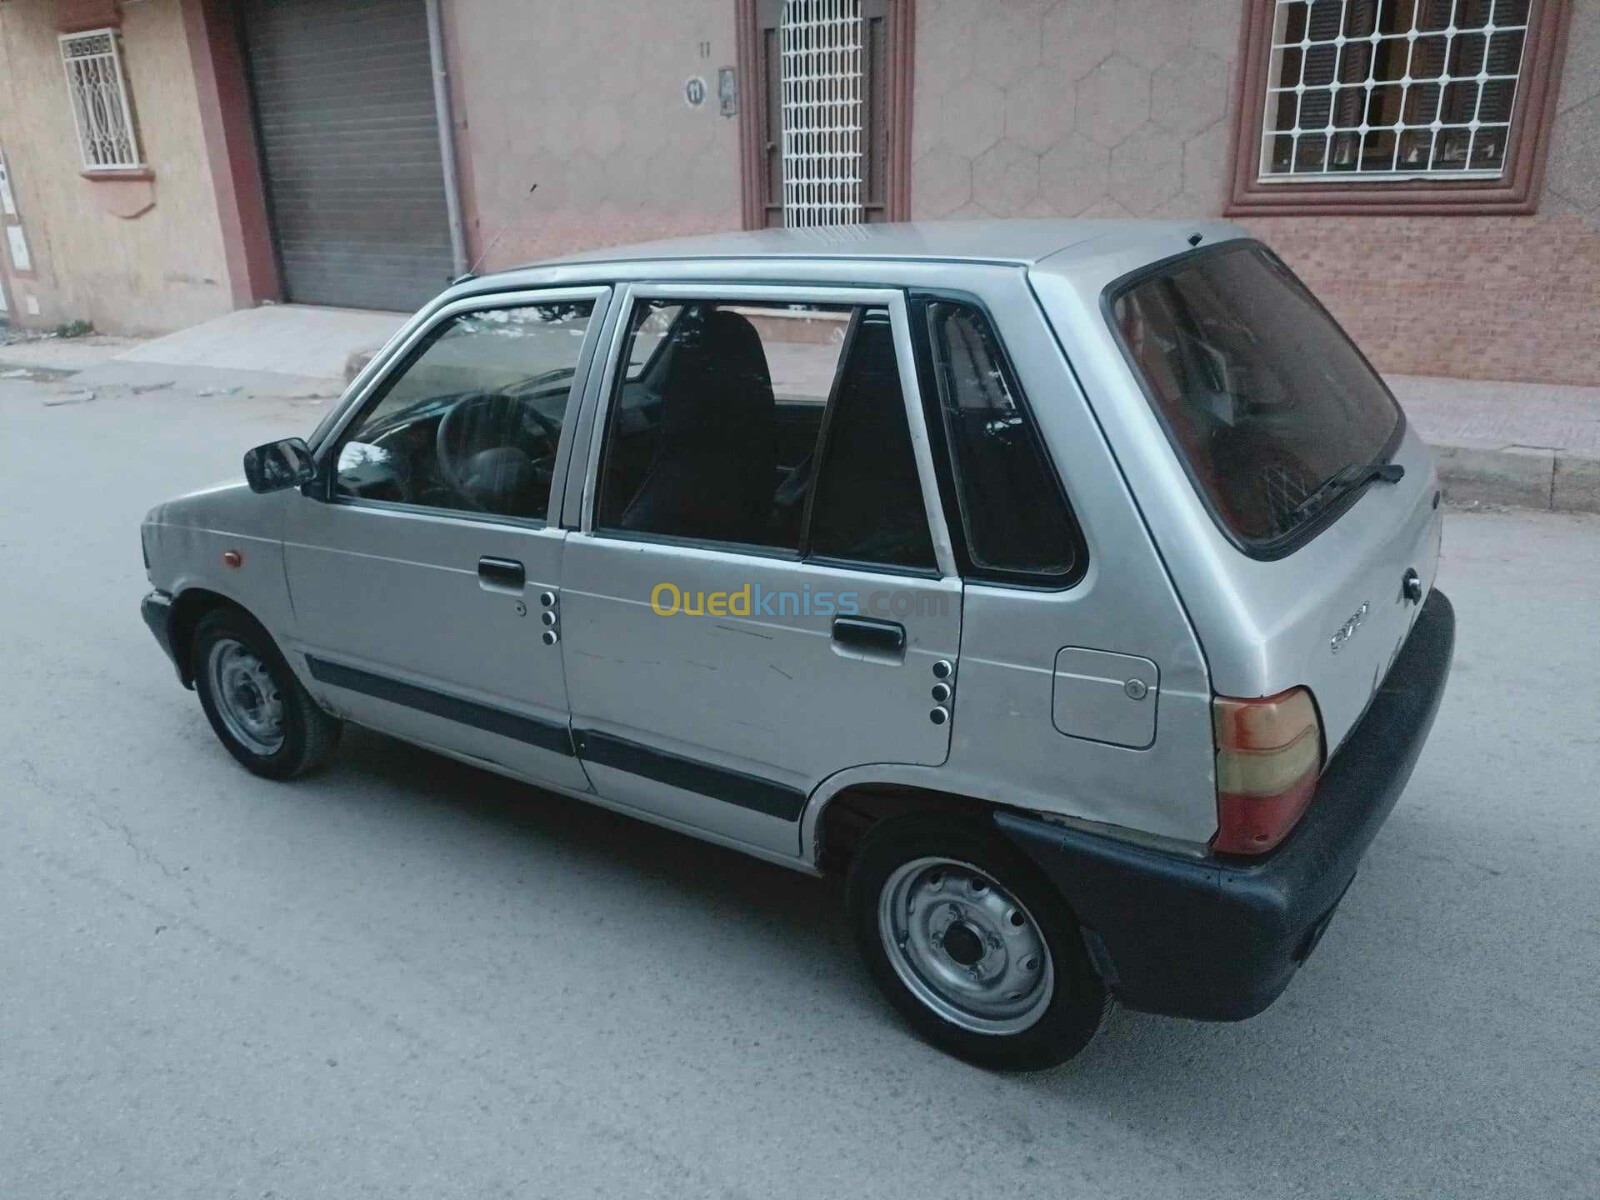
1263 396
765 425
868 506
1013 513
714 426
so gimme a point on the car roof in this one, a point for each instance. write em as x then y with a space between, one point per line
1018 243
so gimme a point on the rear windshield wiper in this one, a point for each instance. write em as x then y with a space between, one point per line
1354 476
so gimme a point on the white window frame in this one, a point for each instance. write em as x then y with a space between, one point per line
602 390
111 108
1397 173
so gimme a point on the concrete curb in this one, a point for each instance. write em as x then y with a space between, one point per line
1520 477
208 381
357 363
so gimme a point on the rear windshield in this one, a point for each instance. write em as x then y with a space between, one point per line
1264 397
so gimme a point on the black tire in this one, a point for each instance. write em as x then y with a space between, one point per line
1078 1002
309 734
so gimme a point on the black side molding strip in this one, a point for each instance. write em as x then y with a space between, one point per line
720 783
547 735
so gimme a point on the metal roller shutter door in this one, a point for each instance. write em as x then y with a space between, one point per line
350 149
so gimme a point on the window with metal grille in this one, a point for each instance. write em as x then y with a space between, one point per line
1374 105
824 111
99 95
1392 87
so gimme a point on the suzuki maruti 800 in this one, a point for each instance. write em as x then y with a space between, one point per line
1065 587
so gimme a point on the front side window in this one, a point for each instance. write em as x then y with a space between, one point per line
774 426
1014 515
1265 399
471 422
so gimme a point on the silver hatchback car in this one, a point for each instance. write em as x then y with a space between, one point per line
1064 586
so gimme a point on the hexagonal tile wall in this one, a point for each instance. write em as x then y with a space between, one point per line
1146 169
1113 100
1074 175
1005 178
627 162
974 117
1072 107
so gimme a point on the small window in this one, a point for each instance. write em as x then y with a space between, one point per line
1377 105
718 429
1362 89
99 95
1012 510
471 423
868 506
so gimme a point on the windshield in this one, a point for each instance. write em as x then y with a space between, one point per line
1264 397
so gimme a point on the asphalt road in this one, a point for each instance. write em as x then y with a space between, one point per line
404 977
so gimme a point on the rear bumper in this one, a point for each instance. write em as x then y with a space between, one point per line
1220 939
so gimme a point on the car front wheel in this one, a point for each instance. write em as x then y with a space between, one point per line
972 945
256 706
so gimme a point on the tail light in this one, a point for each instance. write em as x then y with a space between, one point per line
1269 754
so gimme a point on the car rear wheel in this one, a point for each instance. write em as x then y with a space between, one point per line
972 945
256 706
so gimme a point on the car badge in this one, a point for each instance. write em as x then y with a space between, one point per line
1348 629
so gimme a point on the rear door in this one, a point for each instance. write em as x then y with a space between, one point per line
761 594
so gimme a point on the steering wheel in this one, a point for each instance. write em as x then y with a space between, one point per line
460 436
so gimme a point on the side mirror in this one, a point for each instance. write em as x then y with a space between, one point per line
279 465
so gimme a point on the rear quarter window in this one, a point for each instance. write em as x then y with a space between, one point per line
1016 524
1263 396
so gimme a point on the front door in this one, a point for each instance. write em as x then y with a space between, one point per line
424 575
761 594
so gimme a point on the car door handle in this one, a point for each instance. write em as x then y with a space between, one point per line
501 574
863 633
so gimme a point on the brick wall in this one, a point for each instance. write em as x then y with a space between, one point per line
1120 108
1024 108
1512 298
1508 298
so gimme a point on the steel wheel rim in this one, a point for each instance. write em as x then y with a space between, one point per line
246 696
964 946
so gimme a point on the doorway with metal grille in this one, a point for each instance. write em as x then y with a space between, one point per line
825 118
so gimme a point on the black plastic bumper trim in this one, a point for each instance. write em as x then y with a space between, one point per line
156 609
547 735
1219 939
719 783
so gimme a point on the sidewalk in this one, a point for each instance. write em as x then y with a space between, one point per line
1522 445
289 350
